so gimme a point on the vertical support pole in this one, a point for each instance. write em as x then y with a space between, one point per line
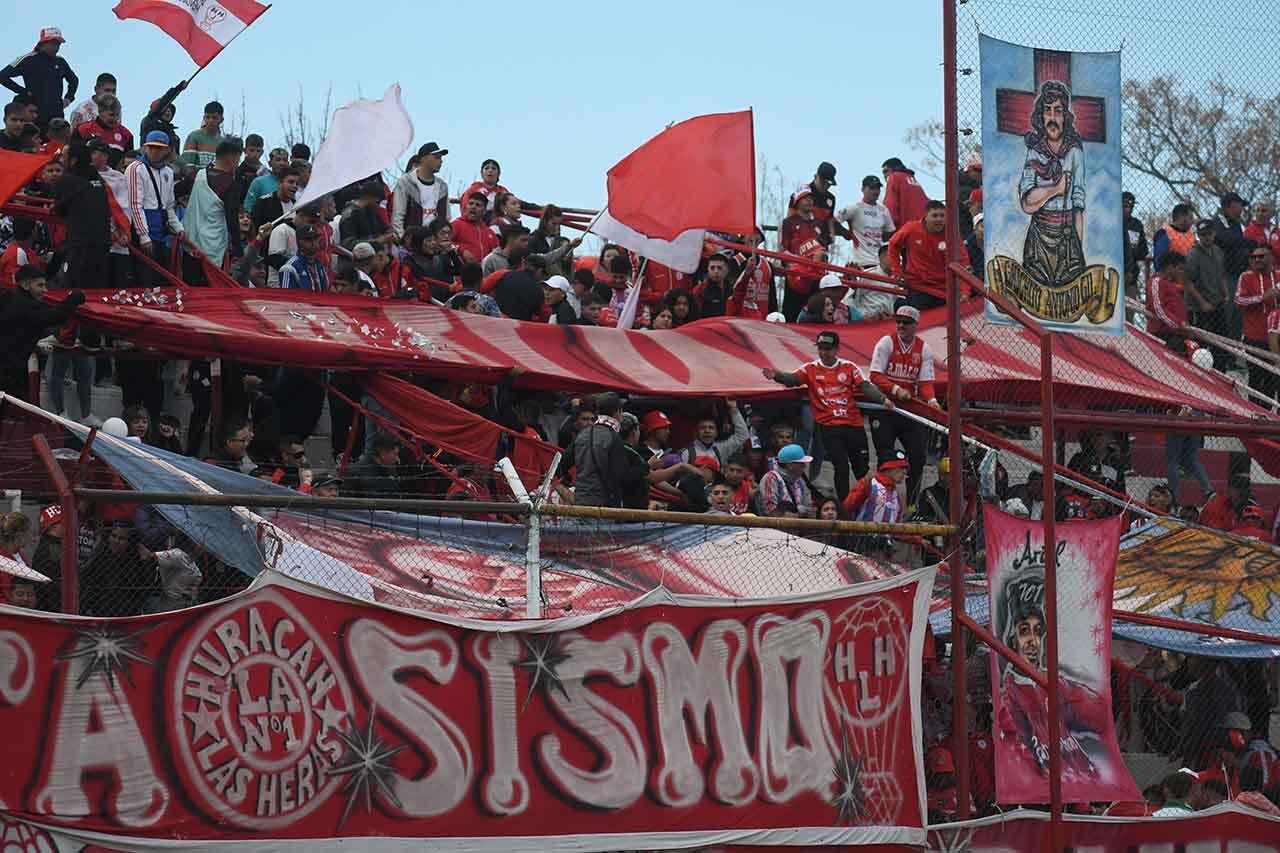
356 420
955 447
215 398
70 526
1051 593
33 379
533 566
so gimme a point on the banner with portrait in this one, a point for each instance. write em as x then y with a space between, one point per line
1092 769
1053 234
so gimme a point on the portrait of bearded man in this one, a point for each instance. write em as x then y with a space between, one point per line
1052 189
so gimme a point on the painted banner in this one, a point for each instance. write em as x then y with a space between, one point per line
1092 769
1051 185
289 713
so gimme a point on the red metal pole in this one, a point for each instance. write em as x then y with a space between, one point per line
1133 422
33 379
955 446
356 420
1051 595
70 526
1192 627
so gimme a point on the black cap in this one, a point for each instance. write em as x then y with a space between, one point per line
308 232
872 181
326 480
432 148
827 172
93 143
1204 225
1232 197
828 339
1127 196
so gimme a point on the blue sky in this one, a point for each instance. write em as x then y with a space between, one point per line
557 92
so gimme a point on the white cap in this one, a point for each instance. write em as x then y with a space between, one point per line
560 283
115 427
776 317
976 220
830 280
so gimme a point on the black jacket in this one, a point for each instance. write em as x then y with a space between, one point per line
26 320
360 224
83 201
370 480
1234 245
153 121
43 76
265 210
519 295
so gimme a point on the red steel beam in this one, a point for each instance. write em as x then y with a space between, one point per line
1016 660
70 526
1131 422
1193 627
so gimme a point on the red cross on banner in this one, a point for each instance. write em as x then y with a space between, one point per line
1013 107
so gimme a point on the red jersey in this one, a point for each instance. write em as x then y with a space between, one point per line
1164 299
473 237
659 279
802 236
1023 721
909 367
490 194
1264 235
16 256
750 298
740 500
1251 296
118 137
921 256
831 391
905 199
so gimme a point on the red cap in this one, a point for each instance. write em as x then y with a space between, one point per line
897 460
654 420
975 197
939 760
608 317
50 34
50 516
707 462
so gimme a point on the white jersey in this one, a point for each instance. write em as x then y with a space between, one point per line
868 223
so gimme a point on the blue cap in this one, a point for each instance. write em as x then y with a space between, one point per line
793 453
157 137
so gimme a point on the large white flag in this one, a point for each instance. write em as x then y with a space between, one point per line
364 137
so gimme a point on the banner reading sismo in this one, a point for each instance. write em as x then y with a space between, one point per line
1092 769
290 713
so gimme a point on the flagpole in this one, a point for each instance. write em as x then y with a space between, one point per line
224 47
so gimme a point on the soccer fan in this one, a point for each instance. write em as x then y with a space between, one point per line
1261 230
151 203
1205 287
281 202
201 146
306 270
918 253
15 118
87 111
43 72
707 441
487 186
264 185
750 296
714 291
876 498
832 383
1135 244
1165 300
506 212
556 249
1256 296
903 196
26 319
783 490
419 195
824 201
212 219
1178 236
869 223
107 127
252 167
471 235
902 368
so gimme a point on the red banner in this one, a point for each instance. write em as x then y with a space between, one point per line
1092 769
288 713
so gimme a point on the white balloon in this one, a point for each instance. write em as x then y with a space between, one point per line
776 317
1202 358
115 427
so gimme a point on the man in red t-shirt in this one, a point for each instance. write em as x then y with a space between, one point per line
918 253
903 195
108 128
832 382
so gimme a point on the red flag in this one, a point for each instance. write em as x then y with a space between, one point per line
696 174
203 28
17 170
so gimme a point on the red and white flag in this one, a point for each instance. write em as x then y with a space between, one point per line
202 27
694 176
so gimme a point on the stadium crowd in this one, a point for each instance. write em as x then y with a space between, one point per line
208 204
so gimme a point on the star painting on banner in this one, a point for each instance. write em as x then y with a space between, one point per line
105 650
366 763
545 656
850 798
